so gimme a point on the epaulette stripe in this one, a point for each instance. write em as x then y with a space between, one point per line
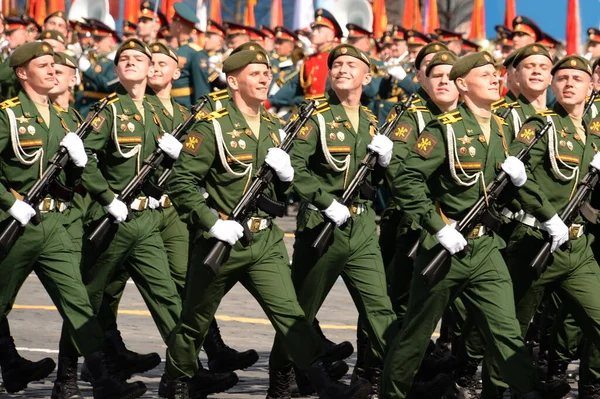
547 112
10 103
320 111
217 114
113 98
419 108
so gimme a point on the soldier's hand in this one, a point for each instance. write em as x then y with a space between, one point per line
21 211
515 169
153 203
451 239
397 72
596 161
118 210
558 230
337 212
227 230
383 146
279 160
84 64
170 145
74 146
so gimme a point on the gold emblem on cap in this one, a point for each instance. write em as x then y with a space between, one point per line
437 47
259 57
344 50
519 19
155 47
444 57
45 48
251 48
487 58
573 63
535 49
319 19
48 35
131 44
319 12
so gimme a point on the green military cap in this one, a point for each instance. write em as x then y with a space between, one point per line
595 64
59 14
65 59
132 44
465 64
185 13
441 58
28 52
573 62
347 49
160 48
248 46
529 50
429 48
244 58
52 34
511 58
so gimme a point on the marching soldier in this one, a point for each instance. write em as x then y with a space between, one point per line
525 32
248 134
183 23
47 247
57 21
472 137
149 22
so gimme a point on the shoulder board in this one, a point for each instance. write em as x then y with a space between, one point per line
451 117
77 113
597 99
194 46
58 108
10 103
500 119
182 108
113 98
322 107
498 104
370 114
516 104
416 100
419 108
547 112
219 95
216 114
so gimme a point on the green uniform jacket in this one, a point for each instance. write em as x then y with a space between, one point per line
222 163
428 166
520 112
546 192
32 135
112 161
316 152
183 88
98 82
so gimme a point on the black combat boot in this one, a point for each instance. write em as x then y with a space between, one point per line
222 358
205 382
175 389
373 375
557 370
334 351
441 386
65 386
280 383
17 372
466 379
589 391
328 388
107 384
128 362
362 345
549 390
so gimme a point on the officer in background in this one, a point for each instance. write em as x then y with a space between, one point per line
57 21
285 69
208 63
593 44
149 22
452 40
15 30
236 34
129 30
525 32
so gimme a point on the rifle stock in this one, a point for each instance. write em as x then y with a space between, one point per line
220 250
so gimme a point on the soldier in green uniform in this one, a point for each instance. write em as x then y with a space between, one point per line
222 153
123 135
326 157
55 39
182 26
557 163
208 63
441 178
34 131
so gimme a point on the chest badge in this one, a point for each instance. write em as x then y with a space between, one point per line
332 136
31 130
481 139
333 124
233 144
123 117
248 132
235 134
242 144
39 120
463 150
570 146
131 127
562 143
472 151
466 140
576 137
347 125
23 119
341 136
22 130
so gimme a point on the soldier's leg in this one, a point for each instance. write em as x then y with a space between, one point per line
565 339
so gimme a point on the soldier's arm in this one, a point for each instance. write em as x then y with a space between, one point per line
410 184
7 199
306 183
531 195
199 77
404 138
290 94
95 142
188 174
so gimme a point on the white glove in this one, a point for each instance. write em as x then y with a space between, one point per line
515 169
596 161
153 203
451 239
282 135
84 64
382 146
397 72
558 230
74 146
21 211
279 160
227 230
337 212
118 210
170 145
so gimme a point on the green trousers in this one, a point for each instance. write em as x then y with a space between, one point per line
483 281
353 254
572 273
136 246
263 269
52 253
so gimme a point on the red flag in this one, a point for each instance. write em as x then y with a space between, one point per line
510 13
380 19
56 5
417 19
215 11
573 27
249 14
131 11
37 9
276 14
478 20
409 12
432 16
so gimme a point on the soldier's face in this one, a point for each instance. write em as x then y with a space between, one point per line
594 49
596 78
104 44
521 39
284 48
321 35
480 85
145 26
511 80
571 86
533 74
56 23
439 86
165 71
56 45
413 51
38 73
252 82
133 66
16 38
399 47
363 43
237 40
348 73
213 42
65 79
455 46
